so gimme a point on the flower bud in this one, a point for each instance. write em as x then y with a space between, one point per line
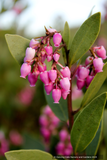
33 42
80 83
88 80
32 78
25 70
49 49
65 84
56 95
49 58
52 75
43 120
42 67
88 60
83 73
60 147
63 135
66 72
56 57
98 64
48 88
44 77
64 94
101 52
57 38
30 53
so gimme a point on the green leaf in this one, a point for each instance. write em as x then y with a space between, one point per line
31 142
66 38
60 110
92 148
28 155
87 123
94 86
17 46
84 38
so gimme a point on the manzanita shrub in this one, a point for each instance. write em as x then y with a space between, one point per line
39 60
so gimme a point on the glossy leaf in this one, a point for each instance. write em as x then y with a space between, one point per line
84 38
92 148
66 38
28 155
17 46
87 123
60 110
94 86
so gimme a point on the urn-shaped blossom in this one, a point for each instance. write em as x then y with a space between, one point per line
56 57
65 84
52 75
25 70
48 88
30 53
56 95
80 83
32 78
83 73
66 72
49 49
101 52
98 64
33 43
57 38
44 77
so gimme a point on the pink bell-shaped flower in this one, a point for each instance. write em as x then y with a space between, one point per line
43 120
64 94
49 57
98 64
33 43
32 78
66 72
63 135
80 83
56 57
25 70
60 147
88 80
101 52
65 84
88 60
83 73
44 77
42 67
30 53
49 49
52 75
48 88
57 38
56 95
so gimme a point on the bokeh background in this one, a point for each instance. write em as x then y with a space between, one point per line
22 107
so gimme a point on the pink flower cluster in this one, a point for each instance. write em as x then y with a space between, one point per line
64 146
54 80
49 122
93 65
49 125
